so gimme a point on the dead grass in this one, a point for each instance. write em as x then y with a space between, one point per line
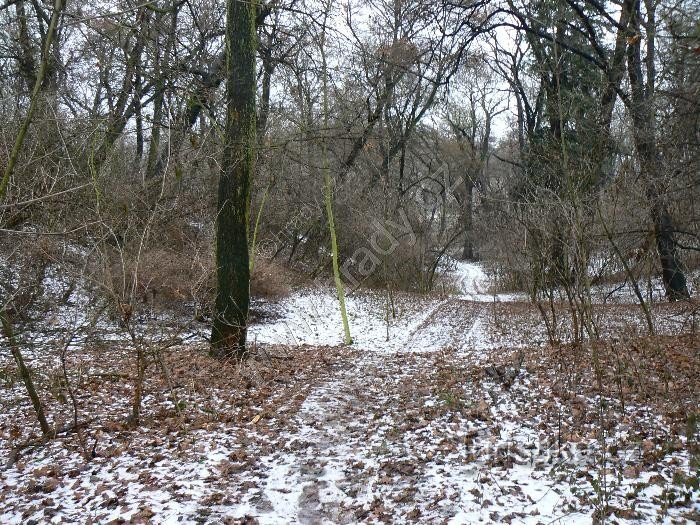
272 280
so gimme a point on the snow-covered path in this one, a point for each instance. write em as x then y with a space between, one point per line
390 323
378 441
428 418
409 431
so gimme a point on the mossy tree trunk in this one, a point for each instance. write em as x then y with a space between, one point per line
232 258
328 186
24 372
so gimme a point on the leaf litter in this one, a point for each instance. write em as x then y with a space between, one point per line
445 410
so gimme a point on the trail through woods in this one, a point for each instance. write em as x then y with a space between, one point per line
446 410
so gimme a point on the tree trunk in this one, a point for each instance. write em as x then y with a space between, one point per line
24 372
671 266
126 105
134 418
232 258
268 68
328 192
468 248
43 67
650 163
155 165
27 64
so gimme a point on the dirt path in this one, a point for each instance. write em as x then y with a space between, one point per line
416 430
388 436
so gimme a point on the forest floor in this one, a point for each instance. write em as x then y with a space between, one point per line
448 409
